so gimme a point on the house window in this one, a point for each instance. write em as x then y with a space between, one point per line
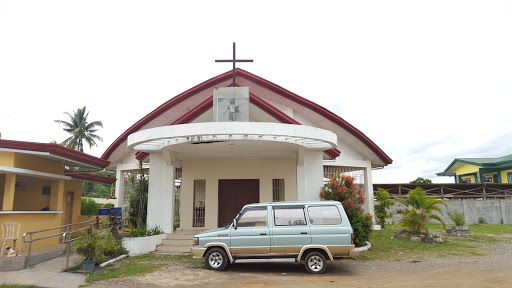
47 190
199 203
277 190
465 180
488 179
509 176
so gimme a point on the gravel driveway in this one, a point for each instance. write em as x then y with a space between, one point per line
492 270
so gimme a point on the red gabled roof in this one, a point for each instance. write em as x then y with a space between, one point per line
276 113
56 150
90 177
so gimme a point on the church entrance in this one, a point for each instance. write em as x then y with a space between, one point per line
233 195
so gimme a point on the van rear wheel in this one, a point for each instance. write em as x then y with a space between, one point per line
315 262
216 259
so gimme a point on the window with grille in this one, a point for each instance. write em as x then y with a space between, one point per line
277 190
199 203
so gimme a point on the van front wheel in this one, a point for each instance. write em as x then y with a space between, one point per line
216 259
315 263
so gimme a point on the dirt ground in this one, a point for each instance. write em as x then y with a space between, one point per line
492 270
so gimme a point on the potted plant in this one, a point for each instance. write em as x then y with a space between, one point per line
90 246
459 220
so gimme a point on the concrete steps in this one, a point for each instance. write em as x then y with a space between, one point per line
177 243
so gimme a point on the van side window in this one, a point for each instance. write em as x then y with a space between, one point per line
289 216
324 215
252 217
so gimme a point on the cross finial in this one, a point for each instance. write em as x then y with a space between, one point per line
234 60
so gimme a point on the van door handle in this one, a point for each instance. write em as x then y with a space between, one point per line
263 234
303 232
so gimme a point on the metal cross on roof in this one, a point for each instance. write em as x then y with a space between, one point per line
234 60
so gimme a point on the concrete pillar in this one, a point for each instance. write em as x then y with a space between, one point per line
161 192
57 196
119 193
368 192
309 174
10 186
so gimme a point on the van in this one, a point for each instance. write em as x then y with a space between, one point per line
313 232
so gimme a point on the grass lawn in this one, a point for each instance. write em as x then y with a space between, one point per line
386 247
18 286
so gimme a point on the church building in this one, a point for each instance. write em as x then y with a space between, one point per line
219 147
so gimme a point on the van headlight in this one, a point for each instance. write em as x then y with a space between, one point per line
196 240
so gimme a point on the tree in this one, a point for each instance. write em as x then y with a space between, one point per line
420 180
419 210
343 188
137 214
381 209
80 130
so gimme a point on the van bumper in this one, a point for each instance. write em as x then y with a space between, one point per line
197 252
354 252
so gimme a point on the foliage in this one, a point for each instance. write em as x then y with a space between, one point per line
89 206
137 214
420 180
108 206
80 129
481 220
343 188
457 218
419 210
91 245
381 209
143 231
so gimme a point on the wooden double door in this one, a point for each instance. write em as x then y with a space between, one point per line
233 195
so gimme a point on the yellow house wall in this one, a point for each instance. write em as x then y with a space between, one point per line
32 199
504 176
2 187
466 169
38 164
34 222
213 170
76 187
6 158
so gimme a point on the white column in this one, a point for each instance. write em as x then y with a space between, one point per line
119 193
160 195
309 174
368 193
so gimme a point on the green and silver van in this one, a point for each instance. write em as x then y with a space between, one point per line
312 232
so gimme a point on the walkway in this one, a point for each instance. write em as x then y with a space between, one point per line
47 274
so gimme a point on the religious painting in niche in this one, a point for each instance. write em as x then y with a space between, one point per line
231 104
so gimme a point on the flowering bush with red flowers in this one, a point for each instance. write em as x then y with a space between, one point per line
343 188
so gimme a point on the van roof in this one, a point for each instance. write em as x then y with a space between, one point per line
294 203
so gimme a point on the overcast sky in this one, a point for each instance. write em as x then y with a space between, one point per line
427 81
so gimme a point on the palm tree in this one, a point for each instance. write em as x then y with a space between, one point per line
420 212
80 130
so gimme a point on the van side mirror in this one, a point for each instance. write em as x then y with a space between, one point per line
234 223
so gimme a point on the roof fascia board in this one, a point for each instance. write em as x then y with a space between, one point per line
32 173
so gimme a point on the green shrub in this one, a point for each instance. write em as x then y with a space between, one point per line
481 220
89 206
457 218
143 231
381 209
419 210
138 211
343 188
108 206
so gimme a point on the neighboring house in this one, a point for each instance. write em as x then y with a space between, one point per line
223 148
480 170
37 190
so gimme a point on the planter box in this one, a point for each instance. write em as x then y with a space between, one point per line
142 245
458 230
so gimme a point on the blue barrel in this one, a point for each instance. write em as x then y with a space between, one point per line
103 211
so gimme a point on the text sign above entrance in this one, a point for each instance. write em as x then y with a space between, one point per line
231 104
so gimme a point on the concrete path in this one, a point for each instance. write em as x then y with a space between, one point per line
47 274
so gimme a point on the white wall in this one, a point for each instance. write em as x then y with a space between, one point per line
213 170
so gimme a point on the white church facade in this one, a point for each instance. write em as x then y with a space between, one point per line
221 148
